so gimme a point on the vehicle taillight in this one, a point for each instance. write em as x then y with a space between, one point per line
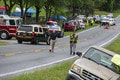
33 34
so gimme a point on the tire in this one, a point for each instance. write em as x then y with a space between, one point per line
32 42
36 41
48 41
4 35
19 41
69 77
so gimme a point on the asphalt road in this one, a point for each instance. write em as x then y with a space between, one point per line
16 58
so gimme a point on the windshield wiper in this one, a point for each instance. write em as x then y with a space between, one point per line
92 60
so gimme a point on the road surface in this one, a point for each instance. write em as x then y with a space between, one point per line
17 58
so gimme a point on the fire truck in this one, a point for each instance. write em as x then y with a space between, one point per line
8 27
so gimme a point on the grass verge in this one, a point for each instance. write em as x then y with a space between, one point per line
115 46
57 72
3 43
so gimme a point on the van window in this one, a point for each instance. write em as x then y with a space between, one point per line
12 22
25 28
40 29
36 29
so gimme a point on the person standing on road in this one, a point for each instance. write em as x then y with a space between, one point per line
63 24
73 42
53 37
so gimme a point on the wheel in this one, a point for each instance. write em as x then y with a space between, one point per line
36 41
69 77
32 42
4 35
20 41
48 41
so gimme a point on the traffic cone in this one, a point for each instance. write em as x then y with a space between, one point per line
106 27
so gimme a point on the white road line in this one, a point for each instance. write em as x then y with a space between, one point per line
35 67
102 45
40 66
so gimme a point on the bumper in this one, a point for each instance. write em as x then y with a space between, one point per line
26 39
74 75
70 28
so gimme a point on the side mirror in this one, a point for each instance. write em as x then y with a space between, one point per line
79 54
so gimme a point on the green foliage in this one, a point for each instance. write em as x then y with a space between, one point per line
68 8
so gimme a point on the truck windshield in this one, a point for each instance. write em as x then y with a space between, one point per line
19 22
101 58
12 22
50 24
25 28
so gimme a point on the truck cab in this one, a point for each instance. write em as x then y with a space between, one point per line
95 64
8 27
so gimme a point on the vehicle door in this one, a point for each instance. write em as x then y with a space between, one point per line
42 35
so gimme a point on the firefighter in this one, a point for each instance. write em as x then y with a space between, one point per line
73 42
92 22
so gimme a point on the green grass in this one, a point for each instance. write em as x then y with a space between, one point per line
3 43
58 72
116 13
115 46
101 13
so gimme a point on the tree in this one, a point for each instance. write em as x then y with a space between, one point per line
38 5
50 5
24 4
9 4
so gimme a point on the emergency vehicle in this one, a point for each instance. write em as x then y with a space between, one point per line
8 27
53 25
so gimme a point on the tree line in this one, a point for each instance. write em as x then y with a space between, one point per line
67 8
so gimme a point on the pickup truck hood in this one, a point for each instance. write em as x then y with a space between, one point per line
96 69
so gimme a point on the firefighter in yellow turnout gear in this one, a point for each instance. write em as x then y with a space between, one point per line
73 42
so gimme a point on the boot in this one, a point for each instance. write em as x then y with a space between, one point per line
73 53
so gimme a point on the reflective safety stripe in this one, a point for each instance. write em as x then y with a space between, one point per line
73 38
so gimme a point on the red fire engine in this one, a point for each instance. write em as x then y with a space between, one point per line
8 27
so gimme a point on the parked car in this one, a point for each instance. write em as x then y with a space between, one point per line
104 20
111 21
97 18
80 24
71 25
32 33
81 17
110 15
95 64
53 25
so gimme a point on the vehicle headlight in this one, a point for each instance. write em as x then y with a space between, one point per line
76 68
